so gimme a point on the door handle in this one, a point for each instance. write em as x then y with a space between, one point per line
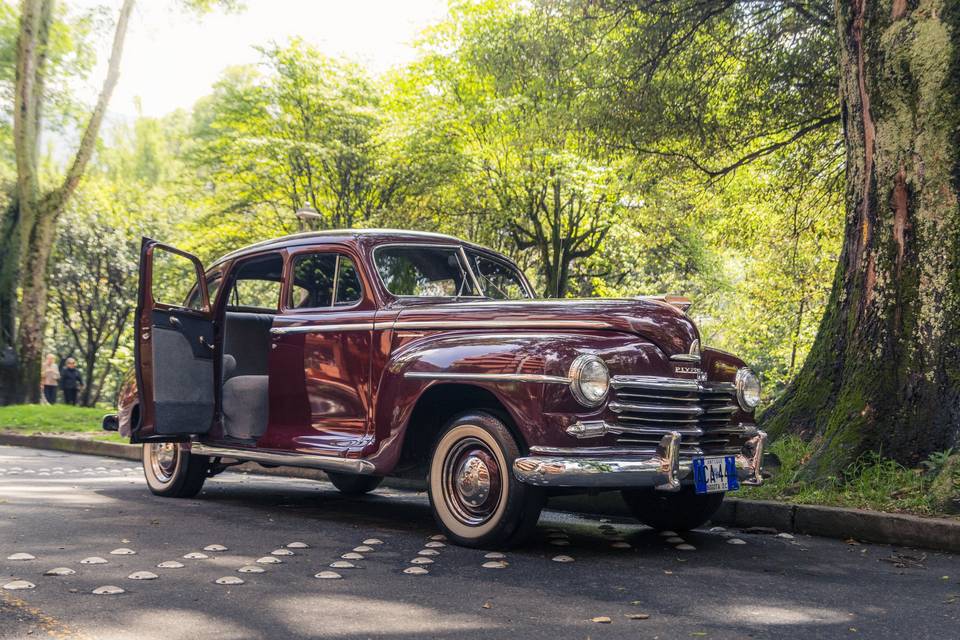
175 321
204 342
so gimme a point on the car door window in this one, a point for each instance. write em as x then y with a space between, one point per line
256 284
322 280
349 289
213 286
498 279
174 281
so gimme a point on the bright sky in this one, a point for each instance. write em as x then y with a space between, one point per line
171 58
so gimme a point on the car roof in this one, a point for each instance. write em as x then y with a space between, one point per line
333 236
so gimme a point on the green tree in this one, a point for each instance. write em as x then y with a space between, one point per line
303 133
28 226
511 75
883 372
28 223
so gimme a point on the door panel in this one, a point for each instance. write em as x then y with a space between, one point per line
175 346
320 356
320 382
182 373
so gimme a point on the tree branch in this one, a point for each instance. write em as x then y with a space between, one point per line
56 199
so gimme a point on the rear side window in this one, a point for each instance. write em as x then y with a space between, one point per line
323 280
256 284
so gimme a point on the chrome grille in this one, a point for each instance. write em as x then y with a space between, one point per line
649 407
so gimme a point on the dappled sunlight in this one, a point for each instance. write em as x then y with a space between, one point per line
781 615
170 624
352 616
53 492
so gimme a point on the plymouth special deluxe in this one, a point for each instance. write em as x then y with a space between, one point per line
373 353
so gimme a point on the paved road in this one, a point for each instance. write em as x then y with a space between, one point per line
62 508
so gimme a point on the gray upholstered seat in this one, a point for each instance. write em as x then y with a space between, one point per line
245 382
245 406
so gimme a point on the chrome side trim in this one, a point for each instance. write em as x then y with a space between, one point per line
321 328
313 461
494 324
685 357
488 377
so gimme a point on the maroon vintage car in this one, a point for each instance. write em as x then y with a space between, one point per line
372 353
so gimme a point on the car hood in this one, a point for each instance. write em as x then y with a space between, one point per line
661 323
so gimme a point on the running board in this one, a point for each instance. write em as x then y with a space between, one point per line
309 460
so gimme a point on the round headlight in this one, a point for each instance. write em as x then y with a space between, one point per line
589 380
748 389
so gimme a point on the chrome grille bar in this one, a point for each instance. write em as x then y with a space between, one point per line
648 407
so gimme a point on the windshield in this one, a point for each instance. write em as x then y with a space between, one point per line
424 271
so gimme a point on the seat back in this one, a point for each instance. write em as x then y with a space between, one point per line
247 339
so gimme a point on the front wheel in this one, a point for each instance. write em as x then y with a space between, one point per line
172 471
680 511
474 495
352 484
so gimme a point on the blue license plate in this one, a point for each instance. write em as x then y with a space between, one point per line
713 475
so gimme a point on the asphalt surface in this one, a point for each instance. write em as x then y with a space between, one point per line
62 508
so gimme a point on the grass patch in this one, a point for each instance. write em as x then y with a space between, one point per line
872 482
56 418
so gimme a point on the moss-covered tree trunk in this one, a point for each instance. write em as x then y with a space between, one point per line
884 371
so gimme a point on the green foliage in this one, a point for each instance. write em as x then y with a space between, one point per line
871 482
937 461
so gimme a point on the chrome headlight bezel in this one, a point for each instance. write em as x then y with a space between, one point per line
577 367
745 397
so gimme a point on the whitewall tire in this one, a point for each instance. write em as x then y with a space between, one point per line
474 495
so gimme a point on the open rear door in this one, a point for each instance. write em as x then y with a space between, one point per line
175 346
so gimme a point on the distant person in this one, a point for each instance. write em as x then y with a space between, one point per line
71 381
50 379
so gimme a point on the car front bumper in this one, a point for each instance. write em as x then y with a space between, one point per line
664 470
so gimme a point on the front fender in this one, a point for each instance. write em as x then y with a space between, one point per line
481 359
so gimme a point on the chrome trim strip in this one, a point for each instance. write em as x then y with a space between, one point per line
670 384
685 357
292 459
494 324
620 407
490 377
321 328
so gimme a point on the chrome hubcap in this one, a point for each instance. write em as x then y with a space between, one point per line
163 460
473 481
472 486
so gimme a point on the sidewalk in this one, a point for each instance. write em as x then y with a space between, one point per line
832 522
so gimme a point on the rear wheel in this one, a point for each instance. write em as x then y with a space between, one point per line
172 471
352 484
680 511
475 497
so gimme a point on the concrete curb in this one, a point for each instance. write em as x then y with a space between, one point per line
833 522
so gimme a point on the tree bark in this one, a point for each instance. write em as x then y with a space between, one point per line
884 371
32 219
